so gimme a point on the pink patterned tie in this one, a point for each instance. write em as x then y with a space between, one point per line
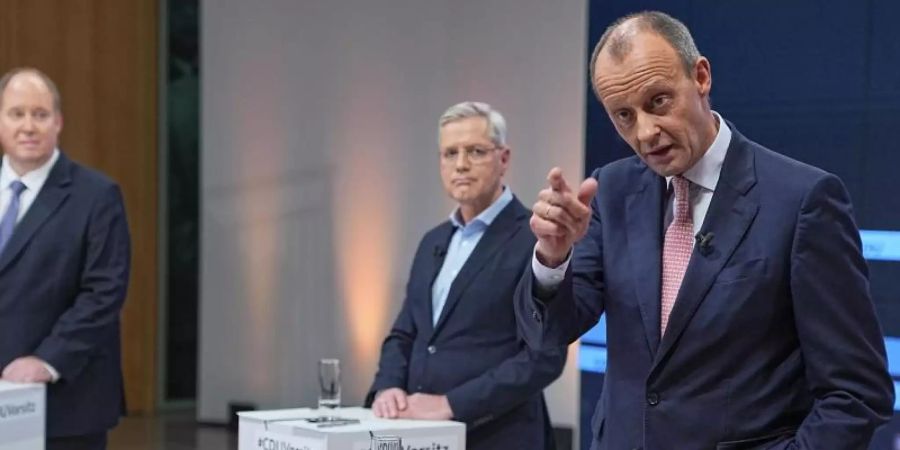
677 247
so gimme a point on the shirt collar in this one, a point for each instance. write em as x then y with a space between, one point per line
489 214
705 173
33 180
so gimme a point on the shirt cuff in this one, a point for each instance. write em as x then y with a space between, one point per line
548 278
54 375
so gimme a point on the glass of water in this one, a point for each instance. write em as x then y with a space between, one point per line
386 443
329 383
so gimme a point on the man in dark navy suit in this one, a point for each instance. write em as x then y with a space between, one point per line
64 264
454 352
732 277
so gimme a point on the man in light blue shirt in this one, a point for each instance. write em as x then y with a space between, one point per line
461 245
454 350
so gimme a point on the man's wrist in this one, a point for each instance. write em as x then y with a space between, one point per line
448 408
54 374
547 279
548 260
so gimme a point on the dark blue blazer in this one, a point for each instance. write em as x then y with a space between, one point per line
473 355
773 341
63 276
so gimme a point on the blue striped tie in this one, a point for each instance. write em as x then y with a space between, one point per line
12 213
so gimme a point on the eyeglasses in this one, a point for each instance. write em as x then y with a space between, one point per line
474 153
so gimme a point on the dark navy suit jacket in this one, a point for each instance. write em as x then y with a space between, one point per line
63 276
474 355
773 341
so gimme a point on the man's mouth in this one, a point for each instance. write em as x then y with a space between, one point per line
659 152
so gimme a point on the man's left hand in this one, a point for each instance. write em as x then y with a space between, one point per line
427 407
27 369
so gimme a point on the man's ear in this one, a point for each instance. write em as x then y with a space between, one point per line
505 155
703 76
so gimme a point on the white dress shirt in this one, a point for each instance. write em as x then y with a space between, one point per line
33 182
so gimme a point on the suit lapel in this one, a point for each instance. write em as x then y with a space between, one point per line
440 244
644 237
729 216
52 195
502 229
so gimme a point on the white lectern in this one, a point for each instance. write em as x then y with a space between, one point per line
22 416
291 429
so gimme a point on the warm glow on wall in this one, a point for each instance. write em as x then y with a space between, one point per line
365 218
364 245
257 246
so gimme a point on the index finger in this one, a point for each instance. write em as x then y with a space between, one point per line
556 180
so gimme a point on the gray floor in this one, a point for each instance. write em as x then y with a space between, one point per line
170 431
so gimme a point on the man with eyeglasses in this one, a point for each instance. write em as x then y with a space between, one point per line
454 352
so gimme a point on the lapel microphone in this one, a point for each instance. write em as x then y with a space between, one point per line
704 242
439 252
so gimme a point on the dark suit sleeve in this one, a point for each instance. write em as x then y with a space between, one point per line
514 381
839 335
577 304
93 319
393 367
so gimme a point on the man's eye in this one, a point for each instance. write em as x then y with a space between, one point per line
660 100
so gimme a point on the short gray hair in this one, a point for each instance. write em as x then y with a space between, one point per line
464 110
663 25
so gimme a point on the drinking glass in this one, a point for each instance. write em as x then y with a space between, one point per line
329 383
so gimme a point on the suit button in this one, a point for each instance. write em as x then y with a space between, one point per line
419 388
536 316
653 399
432 349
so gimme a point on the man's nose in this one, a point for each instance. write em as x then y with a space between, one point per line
462 161
28 124
647 128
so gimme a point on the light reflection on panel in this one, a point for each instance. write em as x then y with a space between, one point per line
592 359
892 345
596 335
881 245
896 397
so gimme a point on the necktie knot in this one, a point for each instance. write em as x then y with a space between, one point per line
682 187
17 187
